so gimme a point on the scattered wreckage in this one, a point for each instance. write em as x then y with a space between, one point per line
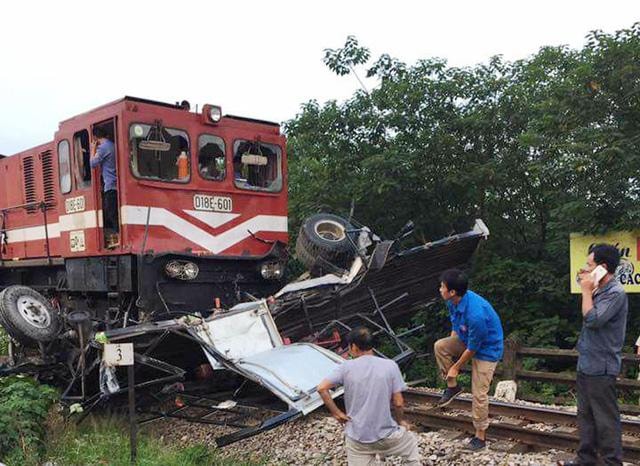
191 272
255 365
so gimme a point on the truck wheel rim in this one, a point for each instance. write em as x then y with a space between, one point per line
34 312
330 230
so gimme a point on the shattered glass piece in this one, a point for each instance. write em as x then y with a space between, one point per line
108 380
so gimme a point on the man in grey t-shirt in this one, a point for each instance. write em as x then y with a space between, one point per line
372 385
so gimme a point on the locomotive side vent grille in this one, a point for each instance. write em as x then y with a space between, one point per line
46 159
29 184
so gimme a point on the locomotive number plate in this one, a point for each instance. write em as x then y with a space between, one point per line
74 204
76 241
212 203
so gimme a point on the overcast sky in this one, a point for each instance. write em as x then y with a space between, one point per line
255 58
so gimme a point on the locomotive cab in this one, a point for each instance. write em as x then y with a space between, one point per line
201 218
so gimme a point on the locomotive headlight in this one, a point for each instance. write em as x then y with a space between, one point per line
173 269
272 270
215 113
211 114
181 270
190 271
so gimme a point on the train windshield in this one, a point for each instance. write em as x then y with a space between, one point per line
257 166
160 153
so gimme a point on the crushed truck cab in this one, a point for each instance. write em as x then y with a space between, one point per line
245 341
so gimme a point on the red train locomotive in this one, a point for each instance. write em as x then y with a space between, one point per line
202 218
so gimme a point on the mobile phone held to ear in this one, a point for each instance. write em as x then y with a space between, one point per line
597 274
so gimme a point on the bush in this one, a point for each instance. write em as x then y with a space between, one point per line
24 405
4 342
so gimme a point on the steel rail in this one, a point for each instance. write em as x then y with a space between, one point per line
501 430
503 408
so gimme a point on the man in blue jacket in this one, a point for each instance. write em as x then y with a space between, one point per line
476 335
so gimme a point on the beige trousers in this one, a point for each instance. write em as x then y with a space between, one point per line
401 443
448 351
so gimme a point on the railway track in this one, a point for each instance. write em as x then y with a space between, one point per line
513 422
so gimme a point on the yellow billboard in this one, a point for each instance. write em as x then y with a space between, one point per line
627 242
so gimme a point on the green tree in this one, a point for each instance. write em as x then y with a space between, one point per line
538 148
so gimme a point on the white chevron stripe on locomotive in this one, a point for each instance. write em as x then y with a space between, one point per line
214 219
158 216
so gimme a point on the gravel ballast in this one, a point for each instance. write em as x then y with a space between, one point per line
318 440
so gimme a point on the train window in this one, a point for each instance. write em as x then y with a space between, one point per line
257 166
81 156
64 166
159 153
211 159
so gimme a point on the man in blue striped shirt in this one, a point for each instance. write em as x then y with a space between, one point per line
476 335
103 155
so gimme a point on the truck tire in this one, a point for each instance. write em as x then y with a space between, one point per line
27 316
324 238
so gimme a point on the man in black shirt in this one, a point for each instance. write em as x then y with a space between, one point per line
604 320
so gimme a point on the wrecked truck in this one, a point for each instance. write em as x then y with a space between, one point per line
195 266
255 365
245 361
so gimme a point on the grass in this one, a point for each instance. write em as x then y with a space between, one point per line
33 432
104 441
